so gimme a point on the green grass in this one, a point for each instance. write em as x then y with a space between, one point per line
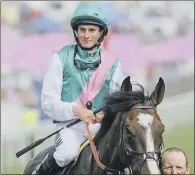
182 137
15 170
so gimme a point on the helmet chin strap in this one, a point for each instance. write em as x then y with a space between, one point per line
94 46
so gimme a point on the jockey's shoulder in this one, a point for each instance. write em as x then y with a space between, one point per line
65 50
67 47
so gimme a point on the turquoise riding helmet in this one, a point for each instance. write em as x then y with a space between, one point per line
90 13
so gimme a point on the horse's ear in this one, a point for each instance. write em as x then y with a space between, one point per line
126 85
158 94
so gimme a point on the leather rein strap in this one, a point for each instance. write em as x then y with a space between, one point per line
94 151
93 147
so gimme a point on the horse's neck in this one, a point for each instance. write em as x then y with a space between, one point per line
107 151
107 146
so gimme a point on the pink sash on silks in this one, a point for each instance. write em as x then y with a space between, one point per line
97 80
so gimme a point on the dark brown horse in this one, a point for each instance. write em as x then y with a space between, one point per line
130 136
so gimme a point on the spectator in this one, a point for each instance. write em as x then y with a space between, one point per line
174 161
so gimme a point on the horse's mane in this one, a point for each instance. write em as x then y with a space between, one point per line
119 102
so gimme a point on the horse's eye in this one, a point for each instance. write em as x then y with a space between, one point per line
133 134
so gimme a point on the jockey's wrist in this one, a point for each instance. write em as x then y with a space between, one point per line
75 110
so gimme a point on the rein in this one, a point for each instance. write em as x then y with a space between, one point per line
95 154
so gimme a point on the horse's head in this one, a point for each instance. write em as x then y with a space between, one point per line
141 129
131 132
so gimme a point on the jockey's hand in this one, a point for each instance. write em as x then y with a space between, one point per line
99 116
84 114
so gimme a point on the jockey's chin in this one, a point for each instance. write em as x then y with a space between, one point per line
87 45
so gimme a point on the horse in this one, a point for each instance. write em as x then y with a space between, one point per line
129 140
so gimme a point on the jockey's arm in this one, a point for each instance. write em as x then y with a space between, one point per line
51 92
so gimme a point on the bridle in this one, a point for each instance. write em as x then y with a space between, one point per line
128 152
155 155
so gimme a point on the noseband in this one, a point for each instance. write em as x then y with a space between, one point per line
155 155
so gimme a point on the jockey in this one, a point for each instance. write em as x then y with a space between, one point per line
77 74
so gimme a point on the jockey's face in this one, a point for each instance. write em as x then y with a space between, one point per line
88 35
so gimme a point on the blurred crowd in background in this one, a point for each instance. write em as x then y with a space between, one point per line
149 21
155 38
32 30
